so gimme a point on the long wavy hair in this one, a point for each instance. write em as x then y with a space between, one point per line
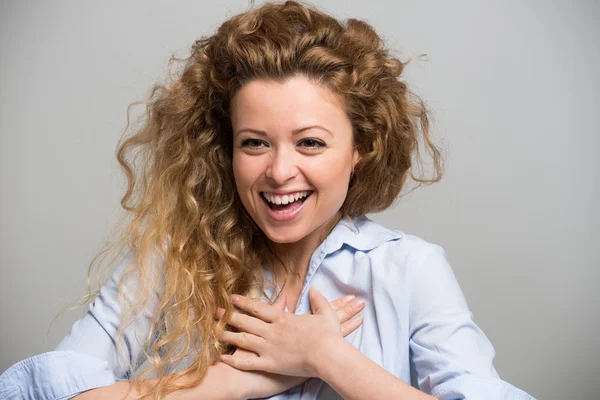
184 224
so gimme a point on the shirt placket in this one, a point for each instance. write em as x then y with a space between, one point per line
316 260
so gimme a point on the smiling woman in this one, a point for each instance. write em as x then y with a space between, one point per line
313 162
259 162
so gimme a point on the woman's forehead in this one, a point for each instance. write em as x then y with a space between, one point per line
294 101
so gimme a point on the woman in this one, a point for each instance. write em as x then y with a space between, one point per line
248 186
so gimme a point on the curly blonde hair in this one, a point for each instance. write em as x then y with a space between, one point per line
181 203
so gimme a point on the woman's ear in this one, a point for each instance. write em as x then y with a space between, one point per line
355 159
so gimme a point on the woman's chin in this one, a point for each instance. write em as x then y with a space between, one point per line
284 237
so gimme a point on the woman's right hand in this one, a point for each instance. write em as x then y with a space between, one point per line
258 384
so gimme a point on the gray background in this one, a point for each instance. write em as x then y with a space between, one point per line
514 89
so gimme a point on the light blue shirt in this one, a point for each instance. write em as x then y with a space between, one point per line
417 325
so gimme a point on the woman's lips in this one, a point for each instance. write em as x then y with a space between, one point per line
285 212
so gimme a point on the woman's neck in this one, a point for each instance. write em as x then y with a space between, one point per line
292 259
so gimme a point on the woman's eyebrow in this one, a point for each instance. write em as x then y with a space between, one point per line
295 132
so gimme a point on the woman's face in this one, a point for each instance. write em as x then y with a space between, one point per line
293 156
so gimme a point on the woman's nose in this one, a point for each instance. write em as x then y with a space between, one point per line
283 167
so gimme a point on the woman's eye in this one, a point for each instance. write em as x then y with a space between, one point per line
252 143
312 143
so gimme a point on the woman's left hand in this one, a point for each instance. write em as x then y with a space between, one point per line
285 343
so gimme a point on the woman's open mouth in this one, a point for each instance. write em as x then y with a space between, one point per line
287 206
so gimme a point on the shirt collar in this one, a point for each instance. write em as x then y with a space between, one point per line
360 233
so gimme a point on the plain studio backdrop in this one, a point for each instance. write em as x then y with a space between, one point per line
515 94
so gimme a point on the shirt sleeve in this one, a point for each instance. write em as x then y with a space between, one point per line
451 355
87 357
54 375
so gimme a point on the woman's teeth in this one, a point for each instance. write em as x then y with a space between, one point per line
285 199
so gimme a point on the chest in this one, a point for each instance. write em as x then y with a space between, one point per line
292 292
384 334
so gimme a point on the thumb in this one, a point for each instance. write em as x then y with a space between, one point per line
281 302
318 302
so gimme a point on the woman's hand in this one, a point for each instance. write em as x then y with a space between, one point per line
285 343
258 384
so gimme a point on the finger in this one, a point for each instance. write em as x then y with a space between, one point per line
318 302
243 340
245 323
351 325
246 364
281 302
243 353
219 313
341 301
265 312
350 310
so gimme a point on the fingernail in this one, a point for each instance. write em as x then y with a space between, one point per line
360 303
348 298
235 297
